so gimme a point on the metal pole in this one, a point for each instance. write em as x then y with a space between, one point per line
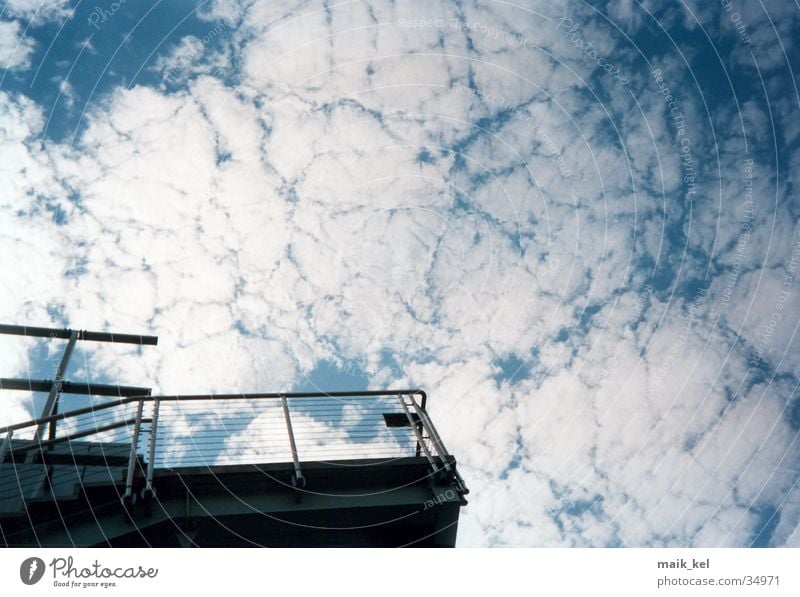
6 445
50 408
426 424
420 441
132 458
51 404
299 480
437 440
152 451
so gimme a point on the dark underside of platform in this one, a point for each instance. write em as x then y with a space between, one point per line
354 503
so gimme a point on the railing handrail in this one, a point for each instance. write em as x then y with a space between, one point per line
187 397
69 413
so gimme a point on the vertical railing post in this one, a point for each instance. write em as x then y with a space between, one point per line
298 479
433 433
151 453
132 458
420 439
6 445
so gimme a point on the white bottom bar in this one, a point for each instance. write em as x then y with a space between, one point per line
489 572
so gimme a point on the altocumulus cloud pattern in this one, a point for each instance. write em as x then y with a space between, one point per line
574 224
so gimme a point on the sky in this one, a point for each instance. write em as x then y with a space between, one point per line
575 225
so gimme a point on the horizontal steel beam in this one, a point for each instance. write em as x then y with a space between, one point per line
64 333
70 387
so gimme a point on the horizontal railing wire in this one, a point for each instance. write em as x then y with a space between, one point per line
211 431
192 434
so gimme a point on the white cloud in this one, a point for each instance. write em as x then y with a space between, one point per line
15 47
229 11
39 11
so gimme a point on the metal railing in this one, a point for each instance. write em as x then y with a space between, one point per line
180 431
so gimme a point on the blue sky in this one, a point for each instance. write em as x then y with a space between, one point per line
575 225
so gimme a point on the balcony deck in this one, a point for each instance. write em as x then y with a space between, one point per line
232 471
